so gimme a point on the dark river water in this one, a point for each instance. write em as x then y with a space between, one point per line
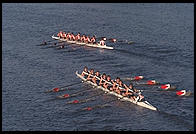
163 50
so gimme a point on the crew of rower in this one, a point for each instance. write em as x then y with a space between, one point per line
112 85
81 38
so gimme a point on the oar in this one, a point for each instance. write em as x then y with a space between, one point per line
120 41
57 89
64 96
85 100
46 42
100 105
56 44
136 78
149 82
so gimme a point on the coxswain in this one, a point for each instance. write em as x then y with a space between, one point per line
102 80
78 37
140 98
93 40
107 84
96 78
90 75
85 72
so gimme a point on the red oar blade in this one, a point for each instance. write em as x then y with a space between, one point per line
181 92
75 101
55 89
138 77
63 96
88 108
151 82
165 86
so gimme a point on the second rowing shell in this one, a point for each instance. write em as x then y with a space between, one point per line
82 43
145 104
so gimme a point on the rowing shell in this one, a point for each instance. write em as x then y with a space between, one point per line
142 104
82 43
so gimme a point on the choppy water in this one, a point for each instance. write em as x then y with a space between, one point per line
163 51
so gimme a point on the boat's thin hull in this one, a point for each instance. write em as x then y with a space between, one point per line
81 43
142 104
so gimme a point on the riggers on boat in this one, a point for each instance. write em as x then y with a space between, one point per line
82 43
145 104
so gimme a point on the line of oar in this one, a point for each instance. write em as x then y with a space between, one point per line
46 42
64 96
58 89
136 78
113 40
85 100
100 105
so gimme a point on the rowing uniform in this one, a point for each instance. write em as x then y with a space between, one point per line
61 35
58 35
101 81
68 35
140 98
102 43
97 79
77 37
93 40
72 37
109 85
82 38
123 90
64 35
85 74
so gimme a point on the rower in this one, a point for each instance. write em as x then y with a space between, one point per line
102 42
85 72
106 84
59 34
87 40
129 92
115 83
69 36
72 37
82 38
93 40
90 75
64 35
96 78
78 37
121 88
102 80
